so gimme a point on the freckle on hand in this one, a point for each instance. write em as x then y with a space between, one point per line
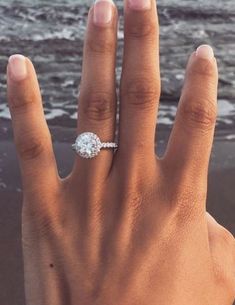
51 265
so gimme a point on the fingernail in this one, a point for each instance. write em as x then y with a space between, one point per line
205 52
139 4
103 11
17 65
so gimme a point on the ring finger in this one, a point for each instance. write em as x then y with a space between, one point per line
97 97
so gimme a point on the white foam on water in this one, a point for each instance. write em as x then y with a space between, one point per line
55 113
165 121
120 34
73 107
226 108
226 112
230 137
179 76
74 116
5 112
67 83
63 34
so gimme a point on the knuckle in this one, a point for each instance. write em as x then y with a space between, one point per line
142 29
201 114
30 147
100 45
142 92
226 236
98 106
21 105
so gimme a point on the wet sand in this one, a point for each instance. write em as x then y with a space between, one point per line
221 203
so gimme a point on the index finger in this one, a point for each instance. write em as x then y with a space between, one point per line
31 133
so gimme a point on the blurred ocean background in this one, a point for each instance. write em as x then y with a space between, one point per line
51 33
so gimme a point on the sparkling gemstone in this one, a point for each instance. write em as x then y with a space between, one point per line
88 145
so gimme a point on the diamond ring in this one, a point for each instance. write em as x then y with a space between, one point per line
88 145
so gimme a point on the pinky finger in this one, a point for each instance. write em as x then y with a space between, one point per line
190 144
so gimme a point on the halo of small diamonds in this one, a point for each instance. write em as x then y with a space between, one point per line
88 145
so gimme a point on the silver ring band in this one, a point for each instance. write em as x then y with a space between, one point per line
109 145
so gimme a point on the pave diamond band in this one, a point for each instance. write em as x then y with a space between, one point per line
88 145
109 145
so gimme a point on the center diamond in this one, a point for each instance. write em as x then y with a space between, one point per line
88 145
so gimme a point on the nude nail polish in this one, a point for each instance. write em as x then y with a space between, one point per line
205 52
17 66
139 4
103 12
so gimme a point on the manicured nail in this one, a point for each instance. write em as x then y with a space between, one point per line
103 12
205 52
17 65
139 4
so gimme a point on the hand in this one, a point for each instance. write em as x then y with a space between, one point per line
124 228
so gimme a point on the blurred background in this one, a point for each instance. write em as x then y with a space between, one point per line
51 33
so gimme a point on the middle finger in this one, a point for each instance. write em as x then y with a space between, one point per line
140 81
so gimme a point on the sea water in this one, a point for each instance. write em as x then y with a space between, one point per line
51 33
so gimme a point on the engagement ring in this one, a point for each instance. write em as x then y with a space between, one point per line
88 145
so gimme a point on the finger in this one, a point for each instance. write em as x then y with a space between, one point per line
140 81
31 134
190 143
97 98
